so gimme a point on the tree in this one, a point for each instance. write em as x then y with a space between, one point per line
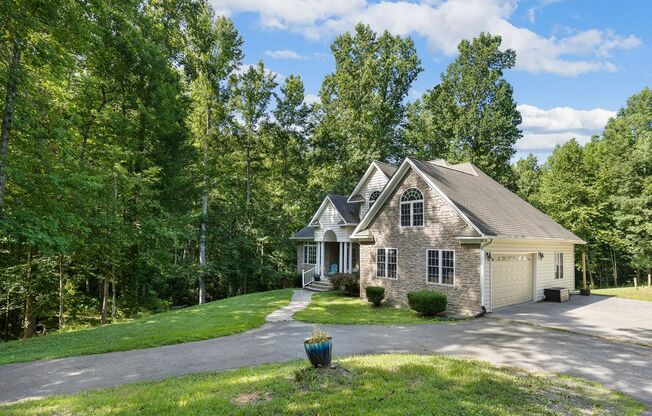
527 175
362 105
252 96
213 54
473 110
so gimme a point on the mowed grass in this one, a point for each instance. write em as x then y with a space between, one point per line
211 320
337 308
366 385
642 293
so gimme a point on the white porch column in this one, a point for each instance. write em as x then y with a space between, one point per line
340 258
321 258
345 260
350 257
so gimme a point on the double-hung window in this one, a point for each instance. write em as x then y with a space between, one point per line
441 267
310 253
386 263
411 208
559 265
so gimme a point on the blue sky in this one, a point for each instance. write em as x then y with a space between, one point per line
577 61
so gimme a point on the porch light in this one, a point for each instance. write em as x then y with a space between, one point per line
489 256
540 255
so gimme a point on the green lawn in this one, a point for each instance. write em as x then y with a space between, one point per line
642 293
214 319
336 308
365 385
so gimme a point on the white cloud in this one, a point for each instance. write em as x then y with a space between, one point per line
531 15
283 54
443 24
311 99
544 129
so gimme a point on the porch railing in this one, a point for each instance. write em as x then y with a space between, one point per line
308 276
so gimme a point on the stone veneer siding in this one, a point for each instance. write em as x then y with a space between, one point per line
441 225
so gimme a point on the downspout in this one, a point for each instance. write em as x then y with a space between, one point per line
482 275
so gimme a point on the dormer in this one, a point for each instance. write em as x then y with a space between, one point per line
371 184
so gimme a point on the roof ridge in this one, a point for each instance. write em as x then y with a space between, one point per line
451 167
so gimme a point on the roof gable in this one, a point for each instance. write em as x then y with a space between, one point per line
488 207
347 212
384 168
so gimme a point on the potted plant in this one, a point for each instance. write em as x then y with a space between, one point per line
319 348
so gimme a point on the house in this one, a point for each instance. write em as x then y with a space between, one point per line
437 226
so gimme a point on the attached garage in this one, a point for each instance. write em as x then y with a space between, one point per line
512 279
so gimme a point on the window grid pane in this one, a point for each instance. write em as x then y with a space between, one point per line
380 262
405 215
433 266
391 263
417 214
310 254
447 267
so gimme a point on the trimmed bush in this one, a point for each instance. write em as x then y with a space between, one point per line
375 294
427 302
347 281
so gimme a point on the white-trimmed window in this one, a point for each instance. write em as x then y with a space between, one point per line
559 265
310 253
441 267
386 263
412 208
373 197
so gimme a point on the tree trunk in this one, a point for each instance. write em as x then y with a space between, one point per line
649 277
7 310
105 298
615 273
61 291
29 323
248 171
8 115
591 278
113 295
583 270
204 214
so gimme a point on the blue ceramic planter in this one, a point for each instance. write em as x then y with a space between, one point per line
319 353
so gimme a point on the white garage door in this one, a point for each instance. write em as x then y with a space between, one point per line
511 279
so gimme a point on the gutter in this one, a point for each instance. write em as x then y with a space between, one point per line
482 269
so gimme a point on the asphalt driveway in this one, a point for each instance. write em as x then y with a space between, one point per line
608 317
623 367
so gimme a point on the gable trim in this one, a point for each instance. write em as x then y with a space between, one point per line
391 186
365 177
314 222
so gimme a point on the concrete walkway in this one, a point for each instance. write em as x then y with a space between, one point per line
622 367
300 301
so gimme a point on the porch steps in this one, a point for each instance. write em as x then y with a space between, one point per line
320 286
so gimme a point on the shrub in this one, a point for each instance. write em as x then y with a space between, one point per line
426 302
349 282
375 294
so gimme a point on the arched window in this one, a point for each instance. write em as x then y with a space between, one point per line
412 208
373 197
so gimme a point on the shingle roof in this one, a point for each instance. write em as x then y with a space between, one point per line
387 169
350 211
306 233
491 207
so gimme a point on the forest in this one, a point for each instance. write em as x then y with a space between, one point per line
144 166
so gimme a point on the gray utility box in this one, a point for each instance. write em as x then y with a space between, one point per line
556 294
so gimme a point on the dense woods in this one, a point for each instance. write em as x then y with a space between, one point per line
143 165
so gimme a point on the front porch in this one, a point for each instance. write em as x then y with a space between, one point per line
328 257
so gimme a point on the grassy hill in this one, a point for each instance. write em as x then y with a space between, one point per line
214 319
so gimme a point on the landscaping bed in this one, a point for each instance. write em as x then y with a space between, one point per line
366 385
